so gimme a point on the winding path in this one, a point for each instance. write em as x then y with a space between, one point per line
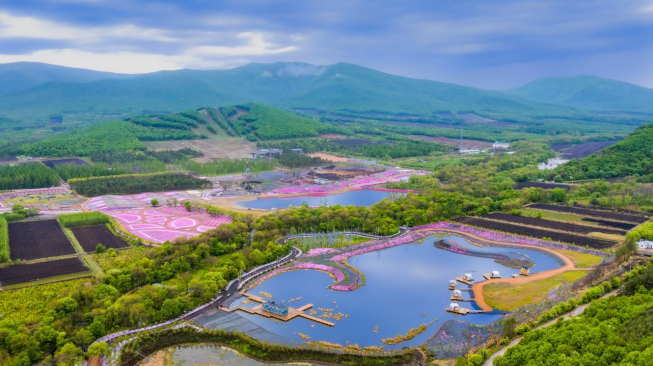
477 288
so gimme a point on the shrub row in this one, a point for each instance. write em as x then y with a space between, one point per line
4 240
83 219
149 343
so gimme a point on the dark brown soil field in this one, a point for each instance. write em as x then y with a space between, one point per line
89 237
475 119
562 226
536 233
619 225
591 213
8 159
522 185
352 142
467 144
21 273
38 239
53 163
580 150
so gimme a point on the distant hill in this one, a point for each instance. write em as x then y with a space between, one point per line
23 75
343 87
631 156
589 92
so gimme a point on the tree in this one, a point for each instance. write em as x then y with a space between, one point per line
68 355
98 349
188 205
99 249
509 325
154 202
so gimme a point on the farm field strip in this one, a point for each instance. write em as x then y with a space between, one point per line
38 239
590 213
537 233
615 224
22 273
89 237
556 225
543 185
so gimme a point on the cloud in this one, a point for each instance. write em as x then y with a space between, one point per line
255 46
120 62
28 27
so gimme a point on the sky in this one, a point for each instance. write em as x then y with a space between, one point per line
492 44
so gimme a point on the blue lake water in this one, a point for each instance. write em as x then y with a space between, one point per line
406 286
356 198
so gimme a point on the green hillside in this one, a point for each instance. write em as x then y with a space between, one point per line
295 85
589 92
23 75
258 121
633 155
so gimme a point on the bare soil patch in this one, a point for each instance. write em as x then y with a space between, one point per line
591 213
475 119
212 149
580 150
21 273
53 163
329 157
467 144
332 136
89 237
38 239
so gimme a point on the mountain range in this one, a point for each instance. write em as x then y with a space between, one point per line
31 91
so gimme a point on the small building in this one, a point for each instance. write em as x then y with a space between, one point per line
525 271
454 306
470 151
457 294
468 277
452 284
265 153
275 308
645 244
496 274
297 150
500 145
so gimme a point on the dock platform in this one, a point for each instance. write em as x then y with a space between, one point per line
292 312
489 276
460 299
461 279
464 311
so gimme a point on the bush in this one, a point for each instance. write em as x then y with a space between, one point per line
99 249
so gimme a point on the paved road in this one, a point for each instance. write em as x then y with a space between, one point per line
579 310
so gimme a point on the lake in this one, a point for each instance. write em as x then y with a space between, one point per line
357 198
406 286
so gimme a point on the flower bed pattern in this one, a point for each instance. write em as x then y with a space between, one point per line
167 223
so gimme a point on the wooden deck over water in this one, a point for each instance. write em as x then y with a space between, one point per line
292 312
490 276
461 279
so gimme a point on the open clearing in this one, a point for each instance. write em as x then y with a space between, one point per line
38 239
21 273
580 150
467 144
508 297
329 157
89 237
581 260
231 148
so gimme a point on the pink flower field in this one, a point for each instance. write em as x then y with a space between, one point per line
167 223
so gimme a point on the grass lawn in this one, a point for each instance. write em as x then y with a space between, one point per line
581 260
550 215
508 297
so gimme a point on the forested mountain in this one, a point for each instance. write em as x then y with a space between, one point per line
295 85
633 155
23 75
589 92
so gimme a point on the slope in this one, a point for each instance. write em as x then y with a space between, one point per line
633 155
23 75
589 92
294 85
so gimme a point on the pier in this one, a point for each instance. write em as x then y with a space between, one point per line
292 312
463 280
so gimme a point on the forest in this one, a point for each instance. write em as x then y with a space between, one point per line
136 183
632 156
615 330
4 240
82 219
31 175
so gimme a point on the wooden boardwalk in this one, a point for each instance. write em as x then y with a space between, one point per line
461 279
489 276
292 312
